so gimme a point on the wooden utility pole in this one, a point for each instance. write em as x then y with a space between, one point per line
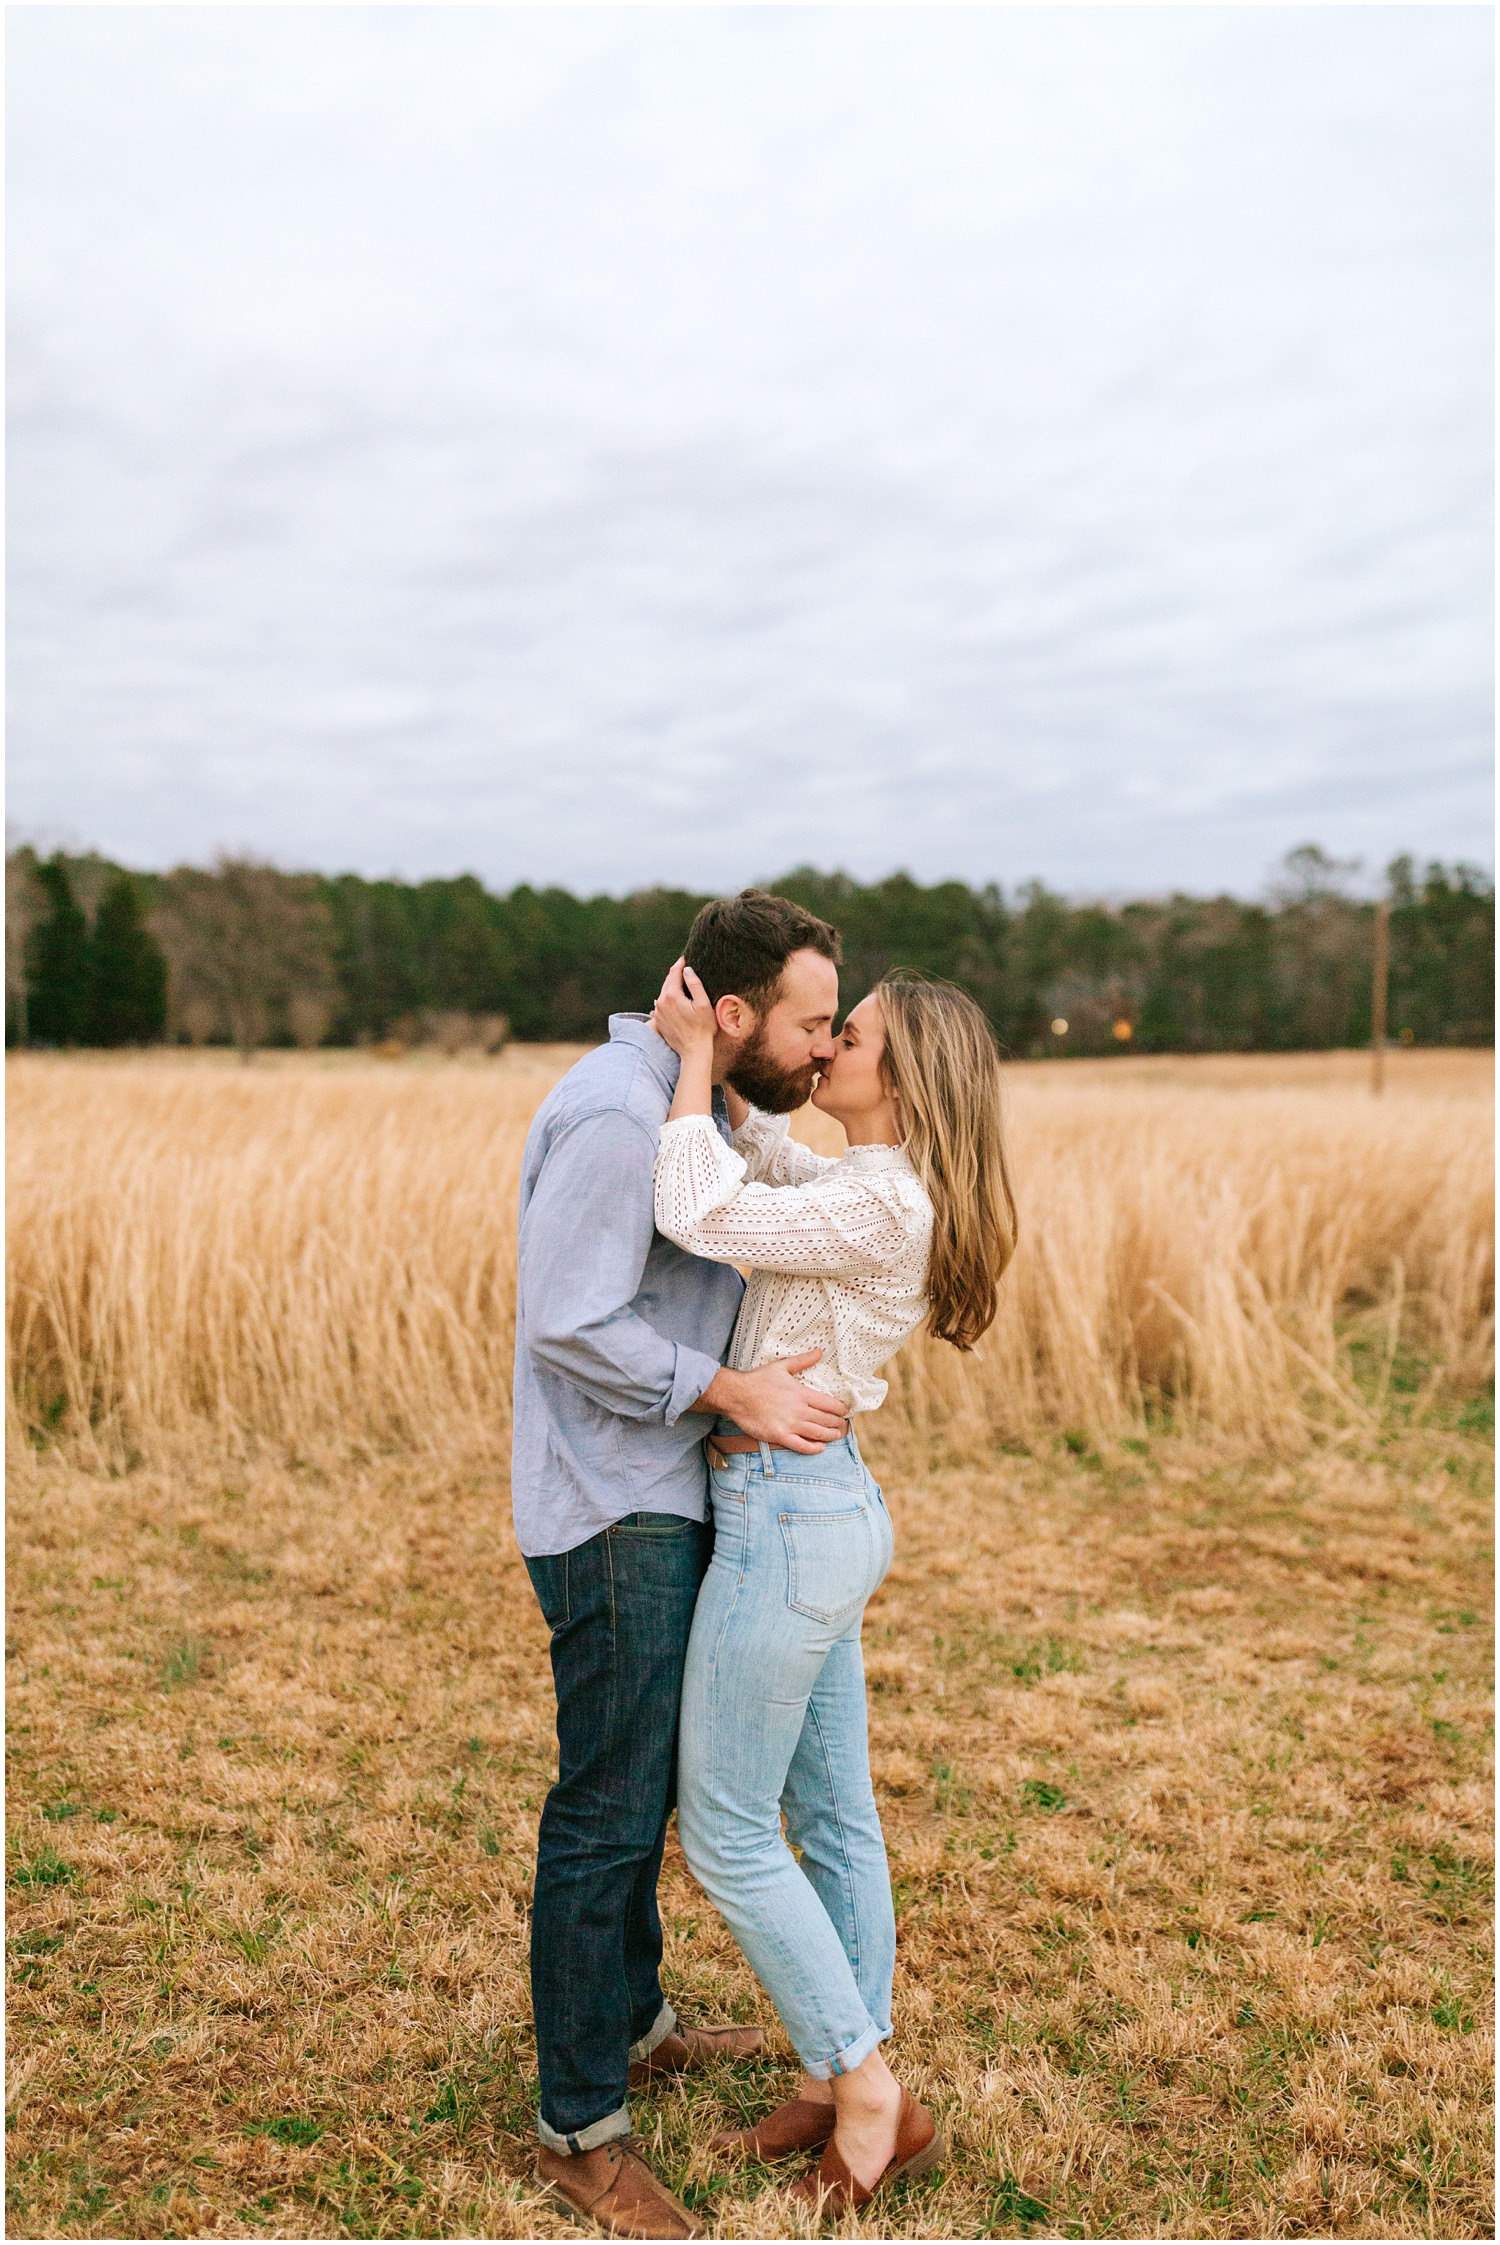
1378 995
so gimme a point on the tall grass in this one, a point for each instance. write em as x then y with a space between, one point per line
295 1255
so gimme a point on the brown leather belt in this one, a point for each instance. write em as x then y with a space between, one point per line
735 1442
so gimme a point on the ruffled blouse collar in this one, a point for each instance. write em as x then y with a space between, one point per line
877 1157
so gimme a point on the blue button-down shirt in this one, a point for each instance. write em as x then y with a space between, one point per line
618 1330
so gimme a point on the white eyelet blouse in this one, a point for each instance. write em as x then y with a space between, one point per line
836 1250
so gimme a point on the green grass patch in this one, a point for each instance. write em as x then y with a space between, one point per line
182 1664
1011 2205
45 1868
290 2128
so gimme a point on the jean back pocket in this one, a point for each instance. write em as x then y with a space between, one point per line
831 1562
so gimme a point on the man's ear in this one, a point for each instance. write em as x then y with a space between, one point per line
735 1018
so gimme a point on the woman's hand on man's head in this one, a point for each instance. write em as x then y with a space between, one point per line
682 1015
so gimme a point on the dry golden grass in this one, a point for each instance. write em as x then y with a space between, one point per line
317 1254
1180 1730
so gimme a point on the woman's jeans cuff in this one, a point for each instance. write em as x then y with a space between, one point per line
844 2061
597 2132
664 2024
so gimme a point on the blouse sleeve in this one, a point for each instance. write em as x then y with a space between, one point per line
840 1226
773 1156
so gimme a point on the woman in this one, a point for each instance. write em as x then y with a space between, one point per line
915 1220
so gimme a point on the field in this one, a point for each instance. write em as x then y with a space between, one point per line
1179 1684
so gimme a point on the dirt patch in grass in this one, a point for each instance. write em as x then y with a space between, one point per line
1184 1770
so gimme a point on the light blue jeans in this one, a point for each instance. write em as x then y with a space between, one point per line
773 1720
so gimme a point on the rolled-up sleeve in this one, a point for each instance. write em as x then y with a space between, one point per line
585 1237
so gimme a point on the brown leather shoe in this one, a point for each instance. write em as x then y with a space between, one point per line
833 2189
801 2124
688 2049
615 2190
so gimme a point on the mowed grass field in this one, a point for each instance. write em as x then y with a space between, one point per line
1178 1685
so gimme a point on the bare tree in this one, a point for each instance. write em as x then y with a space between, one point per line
308 1016
24 906
89 876
449 1030
249 945
196 1019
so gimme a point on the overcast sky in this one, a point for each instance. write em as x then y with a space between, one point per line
635 444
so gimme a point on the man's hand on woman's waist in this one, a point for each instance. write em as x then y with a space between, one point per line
775 1406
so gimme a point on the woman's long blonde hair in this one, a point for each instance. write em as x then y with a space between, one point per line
943 1064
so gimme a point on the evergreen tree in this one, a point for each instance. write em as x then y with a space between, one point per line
128 978
57 963
248 948
1442 954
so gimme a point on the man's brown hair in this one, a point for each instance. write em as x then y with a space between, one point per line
739 945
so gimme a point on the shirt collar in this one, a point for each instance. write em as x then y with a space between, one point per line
635 1029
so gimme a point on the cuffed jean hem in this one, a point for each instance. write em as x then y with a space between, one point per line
605 2131
844 2061
615 2123
664 2024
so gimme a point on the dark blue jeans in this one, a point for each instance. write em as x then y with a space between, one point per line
620 1608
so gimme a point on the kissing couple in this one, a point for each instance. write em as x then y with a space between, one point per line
702 1532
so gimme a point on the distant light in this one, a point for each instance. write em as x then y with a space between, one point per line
1408 1036
1059 1028
1124 1032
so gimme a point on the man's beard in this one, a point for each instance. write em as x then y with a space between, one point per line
767 1085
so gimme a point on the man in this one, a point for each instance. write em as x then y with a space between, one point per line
618 1378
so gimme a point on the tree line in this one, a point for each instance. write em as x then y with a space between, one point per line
244 954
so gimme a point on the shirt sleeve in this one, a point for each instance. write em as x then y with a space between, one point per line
772 1156
841 1226
584 1241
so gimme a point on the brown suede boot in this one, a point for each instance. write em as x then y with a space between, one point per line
688 2049
801 2124
615 2190
833 2189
